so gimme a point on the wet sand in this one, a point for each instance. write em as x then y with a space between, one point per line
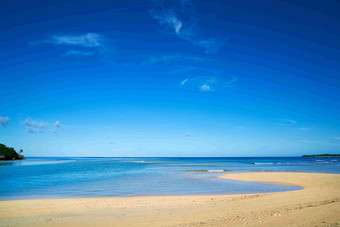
317 204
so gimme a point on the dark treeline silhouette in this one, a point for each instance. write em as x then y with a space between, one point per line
321 155
8 153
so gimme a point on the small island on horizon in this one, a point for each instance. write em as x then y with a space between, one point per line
321 155
8 153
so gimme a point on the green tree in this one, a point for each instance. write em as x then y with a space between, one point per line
8 153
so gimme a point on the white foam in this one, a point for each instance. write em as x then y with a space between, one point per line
263 163
216 171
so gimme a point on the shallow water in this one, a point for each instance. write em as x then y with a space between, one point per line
80 177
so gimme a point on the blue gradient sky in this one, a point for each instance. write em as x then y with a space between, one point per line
170 78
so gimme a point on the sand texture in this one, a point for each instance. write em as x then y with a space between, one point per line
317 204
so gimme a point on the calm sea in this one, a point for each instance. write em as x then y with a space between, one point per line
42 177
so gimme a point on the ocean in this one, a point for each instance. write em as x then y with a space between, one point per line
68 177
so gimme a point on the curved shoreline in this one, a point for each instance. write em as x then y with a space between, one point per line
318 203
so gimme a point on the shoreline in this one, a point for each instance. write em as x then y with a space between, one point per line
157 195
217 176
317 203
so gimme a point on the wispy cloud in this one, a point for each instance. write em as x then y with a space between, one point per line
56 127
80 53
166 59
297 126
86 45
34 126
184 81
187 69
4 121
210 45
84 40
208 83
168 19
205 87
336 137
290 121
231 83
40 126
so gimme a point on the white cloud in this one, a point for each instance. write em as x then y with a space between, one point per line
205 87
183 70
85 40
231 83
184 81
40 126
210 45
168 19
85 45
57 124
291 121
4 121
56 127
208 83
34 126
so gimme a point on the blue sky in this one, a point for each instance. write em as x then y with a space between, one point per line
170 78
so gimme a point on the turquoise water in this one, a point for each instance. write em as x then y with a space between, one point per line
81 177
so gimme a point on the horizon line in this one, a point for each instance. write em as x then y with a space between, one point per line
162 156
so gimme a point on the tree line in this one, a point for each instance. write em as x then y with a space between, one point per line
9 153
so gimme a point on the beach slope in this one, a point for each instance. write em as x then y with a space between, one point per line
317 204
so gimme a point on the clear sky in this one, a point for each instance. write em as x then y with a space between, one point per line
170 78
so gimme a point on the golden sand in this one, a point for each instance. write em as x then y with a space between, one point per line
317 204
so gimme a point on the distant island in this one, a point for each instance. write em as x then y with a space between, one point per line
321 155
8 153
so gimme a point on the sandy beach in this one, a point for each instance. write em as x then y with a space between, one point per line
317 204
